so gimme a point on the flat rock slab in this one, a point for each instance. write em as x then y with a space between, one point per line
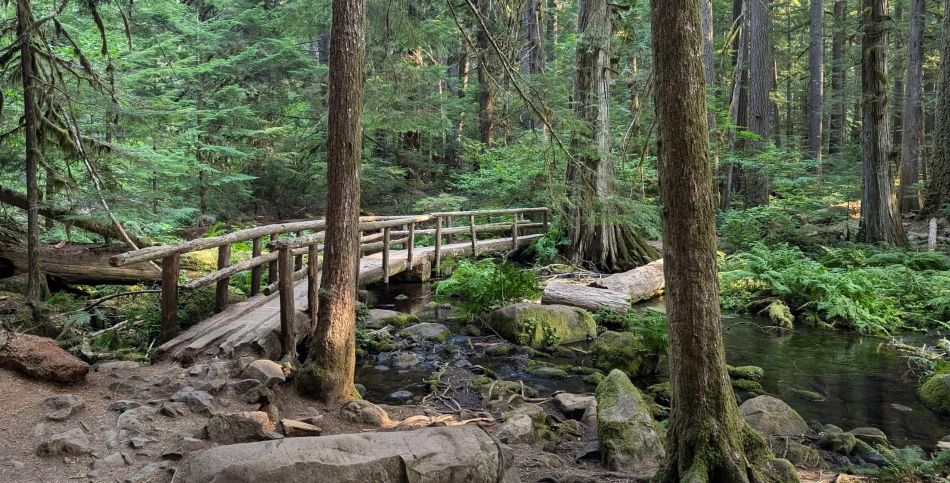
429 455
40 357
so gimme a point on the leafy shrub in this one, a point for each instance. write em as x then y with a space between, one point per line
546 250
485 284
907 464
648 324
870 299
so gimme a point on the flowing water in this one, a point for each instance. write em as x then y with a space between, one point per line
863 382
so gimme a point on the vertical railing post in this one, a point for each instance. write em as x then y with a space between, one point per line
386 255
514 233
169 323
409 245
298 260
272 266
438 245
471 226
256 271
544 220
285 286
221 288
313 300
448 236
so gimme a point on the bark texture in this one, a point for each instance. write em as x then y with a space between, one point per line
880 221
599 238
816 84
709 66
755 178
938 189
908 197
839 70
24 28
707 440
329 372
486 83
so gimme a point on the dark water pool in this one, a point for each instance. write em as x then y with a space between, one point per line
863 381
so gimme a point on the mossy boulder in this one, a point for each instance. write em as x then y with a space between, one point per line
749 373
625 427
841 443
662 393
935 393
427 331
625 351
772 417
379 318
541 326
797 453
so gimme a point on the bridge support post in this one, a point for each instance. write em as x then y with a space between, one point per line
448 224
221 288
285 284
411 241
386 255
298 260
544 220
313 300
169 322
514 233
256 271
272 266
438 245
471 225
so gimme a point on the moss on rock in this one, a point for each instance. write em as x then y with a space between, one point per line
541 326
624 351
935 393
625 427
749 373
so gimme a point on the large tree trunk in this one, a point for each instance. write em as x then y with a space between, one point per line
816 85
24 28
707 439
739 102
329 372
938 189
755 178
599 239
709 66
551 30
486 83
880 221
839 71
532 55
909 198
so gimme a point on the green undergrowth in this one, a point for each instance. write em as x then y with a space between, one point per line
482 285
648 324
868 289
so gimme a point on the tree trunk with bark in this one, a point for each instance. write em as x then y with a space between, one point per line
486 82
938 188
330 369
532 55
880 221
839 71
709 66
908 197
816 85
24 28
599 238
755 178
739 102
707 439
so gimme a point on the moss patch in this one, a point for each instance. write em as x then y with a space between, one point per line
935 393
751 373
541 326
624 351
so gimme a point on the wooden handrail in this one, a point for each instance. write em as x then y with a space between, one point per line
509 211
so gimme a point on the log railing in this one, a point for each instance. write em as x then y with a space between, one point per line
296 255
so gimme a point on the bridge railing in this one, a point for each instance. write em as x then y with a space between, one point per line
285 257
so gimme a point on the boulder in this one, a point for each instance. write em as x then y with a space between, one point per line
63 406
241 428
573 405
426 331
540 326
140 419
935 392
625 428
841 443
750 373
797 453
518 427
379 318
772 417
39 357
297 429
625 351
266 371
429 455
365 412
197 401
871 436
69 443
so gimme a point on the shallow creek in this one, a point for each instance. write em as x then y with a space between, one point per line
862 381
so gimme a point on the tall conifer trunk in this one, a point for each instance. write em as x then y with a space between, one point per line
908 197
755 177
816 85
24 27
839 70
938 189
329 372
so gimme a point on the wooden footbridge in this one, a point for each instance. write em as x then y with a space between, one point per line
268 318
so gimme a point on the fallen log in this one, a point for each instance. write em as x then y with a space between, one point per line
641 283
589 298
79 264
108 230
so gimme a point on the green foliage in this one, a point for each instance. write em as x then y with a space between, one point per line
907 464
547 249
871 299
648 324
486 284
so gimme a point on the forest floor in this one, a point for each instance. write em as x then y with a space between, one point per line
107 448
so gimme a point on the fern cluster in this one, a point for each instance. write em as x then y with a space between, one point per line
870 291
485 284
